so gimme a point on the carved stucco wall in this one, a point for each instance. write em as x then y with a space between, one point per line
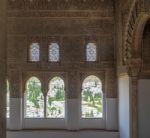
71 24
2 68
122 14
131 17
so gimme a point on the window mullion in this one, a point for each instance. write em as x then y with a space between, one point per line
44 106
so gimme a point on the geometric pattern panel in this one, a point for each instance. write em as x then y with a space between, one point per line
91 52
53 52
34 52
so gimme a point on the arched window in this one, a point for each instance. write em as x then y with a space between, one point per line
54 52
34 52
91 52
92 98
34 100
8 100
56 99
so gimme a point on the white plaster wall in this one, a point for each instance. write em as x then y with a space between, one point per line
7 122
15 120
124 108
72 114
62 134
43 123
112 114
144 108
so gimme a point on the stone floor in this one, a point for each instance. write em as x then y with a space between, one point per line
62 134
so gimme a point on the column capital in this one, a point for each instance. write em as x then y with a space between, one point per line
134 67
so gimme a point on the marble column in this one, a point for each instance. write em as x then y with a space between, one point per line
134 71
134 106
2 68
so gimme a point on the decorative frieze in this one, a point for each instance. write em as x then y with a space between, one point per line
138 8
103 14
59 4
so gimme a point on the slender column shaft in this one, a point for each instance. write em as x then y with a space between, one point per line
134 90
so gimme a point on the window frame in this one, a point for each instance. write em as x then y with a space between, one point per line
97 52
94 123
48 47
64 123
48 83
44 123
28 52
24 97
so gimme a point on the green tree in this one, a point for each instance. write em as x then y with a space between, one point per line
60 94
34 91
